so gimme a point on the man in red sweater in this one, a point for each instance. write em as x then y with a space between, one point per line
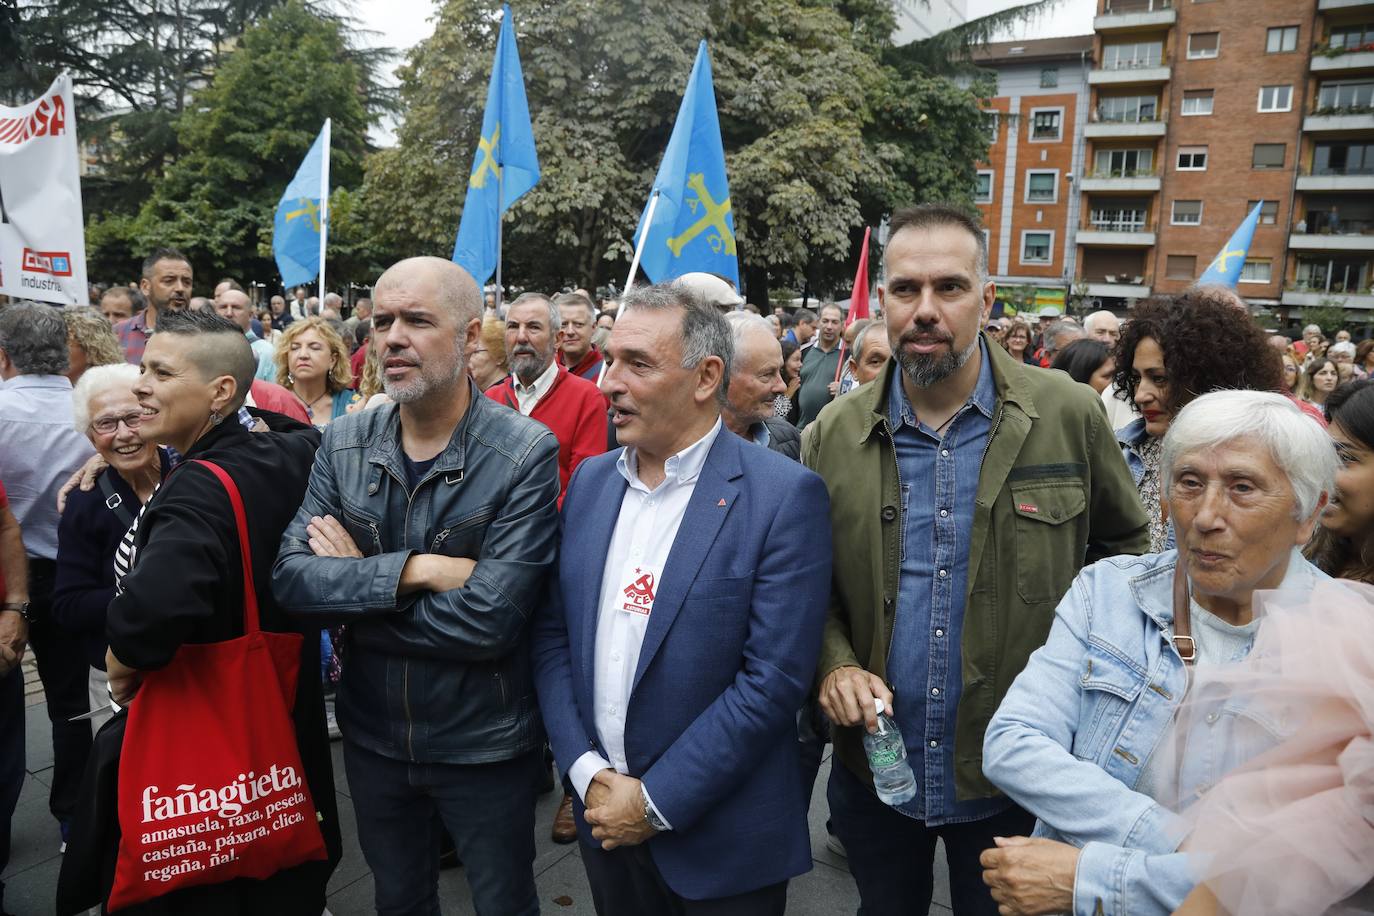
540 388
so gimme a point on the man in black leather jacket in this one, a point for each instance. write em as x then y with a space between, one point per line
428 528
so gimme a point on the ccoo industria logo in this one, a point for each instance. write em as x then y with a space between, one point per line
49 119
55 263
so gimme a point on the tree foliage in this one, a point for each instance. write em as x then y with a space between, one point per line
823 133
135 67
242 138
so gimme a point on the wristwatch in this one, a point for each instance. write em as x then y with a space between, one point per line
21 606
650 815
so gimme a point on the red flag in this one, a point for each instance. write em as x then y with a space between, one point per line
858 299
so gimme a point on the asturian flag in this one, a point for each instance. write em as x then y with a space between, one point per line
1225 267
506 164
297 228
693 228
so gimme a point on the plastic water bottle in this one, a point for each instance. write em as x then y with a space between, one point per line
892 776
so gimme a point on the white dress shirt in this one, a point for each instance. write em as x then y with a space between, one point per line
527 396
640 544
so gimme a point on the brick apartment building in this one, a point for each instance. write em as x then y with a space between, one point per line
1196 111
1026 190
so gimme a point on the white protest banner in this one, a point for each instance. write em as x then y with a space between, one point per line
42 239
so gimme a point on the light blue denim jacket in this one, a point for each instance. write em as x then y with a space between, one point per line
1076 729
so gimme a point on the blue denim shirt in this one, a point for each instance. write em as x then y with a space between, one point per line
1074 733
939 478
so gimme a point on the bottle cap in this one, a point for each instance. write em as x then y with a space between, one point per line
878 705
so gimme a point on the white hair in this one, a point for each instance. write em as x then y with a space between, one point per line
1344 346
1091 322
98 380
742 322
1301 449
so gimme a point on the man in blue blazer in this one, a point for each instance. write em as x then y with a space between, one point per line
680 636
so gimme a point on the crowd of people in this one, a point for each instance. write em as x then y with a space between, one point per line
660 550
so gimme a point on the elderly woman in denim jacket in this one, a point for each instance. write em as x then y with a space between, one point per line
1074 741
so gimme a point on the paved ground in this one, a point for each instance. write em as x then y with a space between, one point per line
31 878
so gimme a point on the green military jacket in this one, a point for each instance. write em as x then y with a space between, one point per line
1054 494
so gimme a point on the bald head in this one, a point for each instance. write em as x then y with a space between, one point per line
433 280
235 305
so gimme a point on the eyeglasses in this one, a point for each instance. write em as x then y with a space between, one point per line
107 425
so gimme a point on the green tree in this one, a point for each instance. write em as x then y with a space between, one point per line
243 137
135 65
822 135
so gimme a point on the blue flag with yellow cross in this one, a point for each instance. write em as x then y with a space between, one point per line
505 165
296 228
1226 266
693 228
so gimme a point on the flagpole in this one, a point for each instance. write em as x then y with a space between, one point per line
324 206
500 222
639 249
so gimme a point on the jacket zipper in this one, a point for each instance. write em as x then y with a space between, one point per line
376 535
434 548
405 703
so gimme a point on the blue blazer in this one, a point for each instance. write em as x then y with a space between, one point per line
727 659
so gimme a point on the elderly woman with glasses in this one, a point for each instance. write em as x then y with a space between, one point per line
105 410
1077 741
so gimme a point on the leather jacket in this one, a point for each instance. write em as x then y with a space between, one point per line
431 677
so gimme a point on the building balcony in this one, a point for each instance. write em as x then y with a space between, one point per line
1327 61
1316 298
1116 234
1325 5
1327 120
1111 287
1338 180
1101 128
1131 182
1362 239
1133 15
1130 73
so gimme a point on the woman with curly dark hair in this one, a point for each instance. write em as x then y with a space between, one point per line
1344 543
1174 349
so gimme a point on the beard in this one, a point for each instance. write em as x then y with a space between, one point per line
925 370
433 376
528 363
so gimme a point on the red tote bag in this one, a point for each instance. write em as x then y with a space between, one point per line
211 785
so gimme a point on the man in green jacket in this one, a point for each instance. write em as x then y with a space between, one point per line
966 492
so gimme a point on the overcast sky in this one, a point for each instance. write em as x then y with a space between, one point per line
402 24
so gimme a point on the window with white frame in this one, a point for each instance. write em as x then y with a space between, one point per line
1036 247
1187 213
1276 98
1346 94
1046 124
1203 45
1127 109
1192 158
982 192
1197 102
1281 40
1133 55
990 122
1042 186
1123 163
1256 270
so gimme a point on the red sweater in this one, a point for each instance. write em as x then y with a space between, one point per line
576 413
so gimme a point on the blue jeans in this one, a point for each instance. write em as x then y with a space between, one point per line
891 856
488 809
